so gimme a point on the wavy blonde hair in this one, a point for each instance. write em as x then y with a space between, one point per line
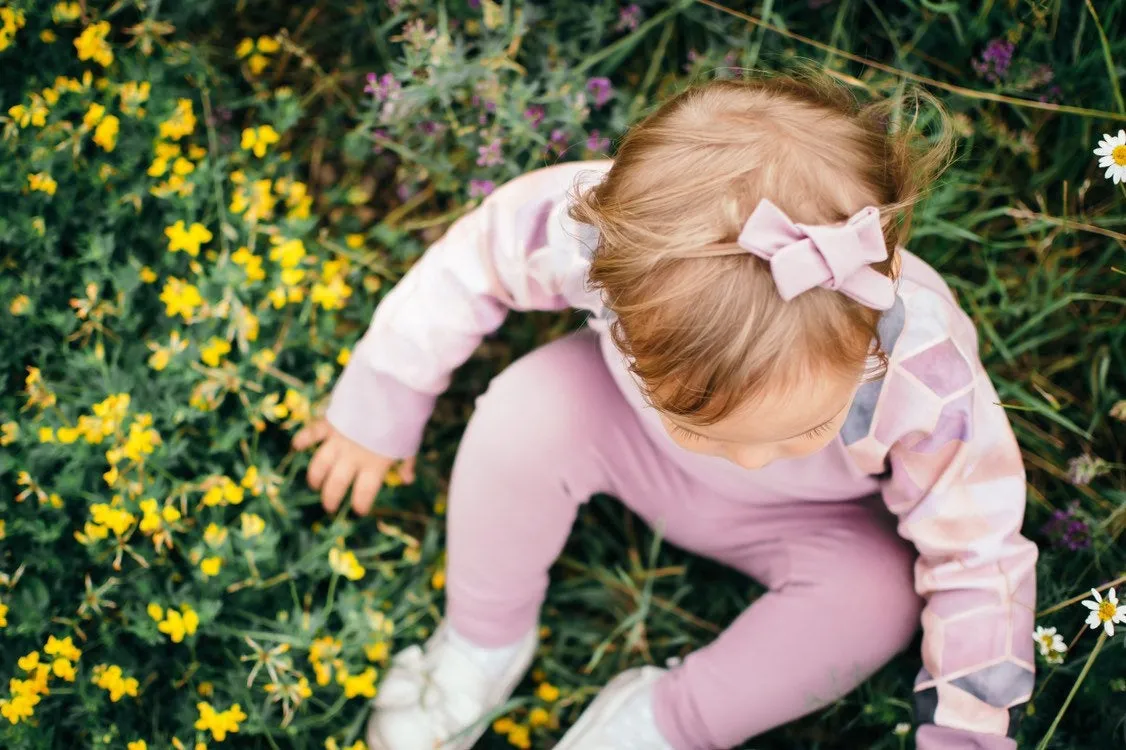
699 318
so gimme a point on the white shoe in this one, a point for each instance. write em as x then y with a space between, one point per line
621 717
438 696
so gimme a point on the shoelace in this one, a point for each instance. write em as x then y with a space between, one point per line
443 681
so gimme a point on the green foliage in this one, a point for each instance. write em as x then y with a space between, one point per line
146 429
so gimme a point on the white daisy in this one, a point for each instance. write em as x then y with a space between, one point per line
1105 612
1112 153
1052 647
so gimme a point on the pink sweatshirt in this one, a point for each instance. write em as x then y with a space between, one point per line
930 434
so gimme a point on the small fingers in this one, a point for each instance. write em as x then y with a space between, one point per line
365 489
323 460
336 485
312 434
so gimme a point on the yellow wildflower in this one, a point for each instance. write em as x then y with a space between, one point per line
222 491
33 114
250 263
105 135
20 707
137 745
155 611
344 357
91 44
9 433
63 669
252 525
354 241
147 275
19 304
64 648
288 253
331 296
180 298
210 566
110 678
3 606
213 351
42 182
259 139
357 685
182 121
132 95
257 52
93 115
219 722
344 562
547 692
519 736
538 717
63 12
188 239
177 624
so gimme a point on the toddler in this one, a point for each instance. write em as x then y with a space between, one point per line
761 357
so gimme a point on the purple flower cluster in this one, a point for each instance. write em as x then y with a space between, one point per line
597 143
383 88
558 141
601 90
489 154
995 60
481 188
534 114
629 18
1067 530
1082 469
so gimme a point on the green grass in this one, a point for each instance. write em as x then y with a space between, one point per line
1024 227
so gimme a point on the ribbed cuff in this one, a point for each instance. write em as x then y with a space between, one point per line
935 737
379 412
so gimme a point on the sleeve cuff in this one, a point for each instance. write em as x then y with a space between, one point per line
935 737
379 412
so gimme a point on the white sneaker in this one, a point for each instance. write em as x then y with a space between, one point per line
438 696
621 717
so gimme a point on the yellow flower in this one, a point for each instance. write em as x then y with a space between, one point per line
331 296
106 133
63 669
33 114
42 182
520 737
214 351
137 745
257 52
19 304
214 535
178 624
251 264
64 648
344 357
111 678
219 722
188 239
93 115
48 37
259 139
63 12
180 298
345 563
132 95
547 692
29 662
288 253
4 610
91 44
222 491
356 685
147 275
155 611
354 241
252 525
182 122
18 708
210 566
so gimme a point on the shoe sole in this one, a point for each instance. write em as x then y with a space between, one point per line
611 699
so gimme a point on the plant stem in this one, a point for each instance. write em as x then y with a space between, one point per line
1074 689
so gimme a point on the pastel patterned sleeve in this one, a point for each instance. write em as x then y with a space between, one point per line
954 477
516 251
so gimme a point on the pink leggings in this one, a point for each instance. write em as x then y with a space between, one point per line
554 429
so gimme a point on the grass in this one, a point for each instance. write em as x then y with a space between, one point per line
1023 226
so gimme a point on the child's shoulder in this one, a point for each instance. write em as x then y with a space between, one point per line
930 315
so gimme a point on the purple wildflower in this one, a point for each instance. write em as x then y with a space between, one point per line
995 60
384 88
480 188
595 142
489 154
558 141
601 90
629 18
534 115
1082 469
1067 530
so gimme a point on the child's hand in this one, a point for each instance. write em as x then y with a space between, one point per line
340 463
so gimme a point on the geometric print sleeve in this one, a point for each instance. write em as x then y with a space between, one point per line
516 251
933 428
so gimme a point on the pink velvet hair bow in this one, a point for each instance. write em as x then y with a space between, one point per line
834 256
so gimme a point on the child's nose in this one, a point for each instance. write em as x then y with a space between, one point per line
752 456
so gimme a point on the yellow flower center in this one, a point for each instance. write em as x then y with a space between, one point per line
1119 155
1107 608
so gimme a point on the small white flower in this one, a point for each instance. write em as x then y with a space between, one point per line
902 729
1052 647
1112 153
1105 612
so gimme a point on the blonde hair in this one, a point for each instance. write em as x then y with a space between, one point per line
699 318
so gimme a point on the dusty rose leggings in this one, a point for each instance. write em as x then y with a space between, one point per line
553 429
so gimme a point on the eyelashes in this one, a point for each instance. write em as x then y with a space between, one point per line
817 432
813 434
683 433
